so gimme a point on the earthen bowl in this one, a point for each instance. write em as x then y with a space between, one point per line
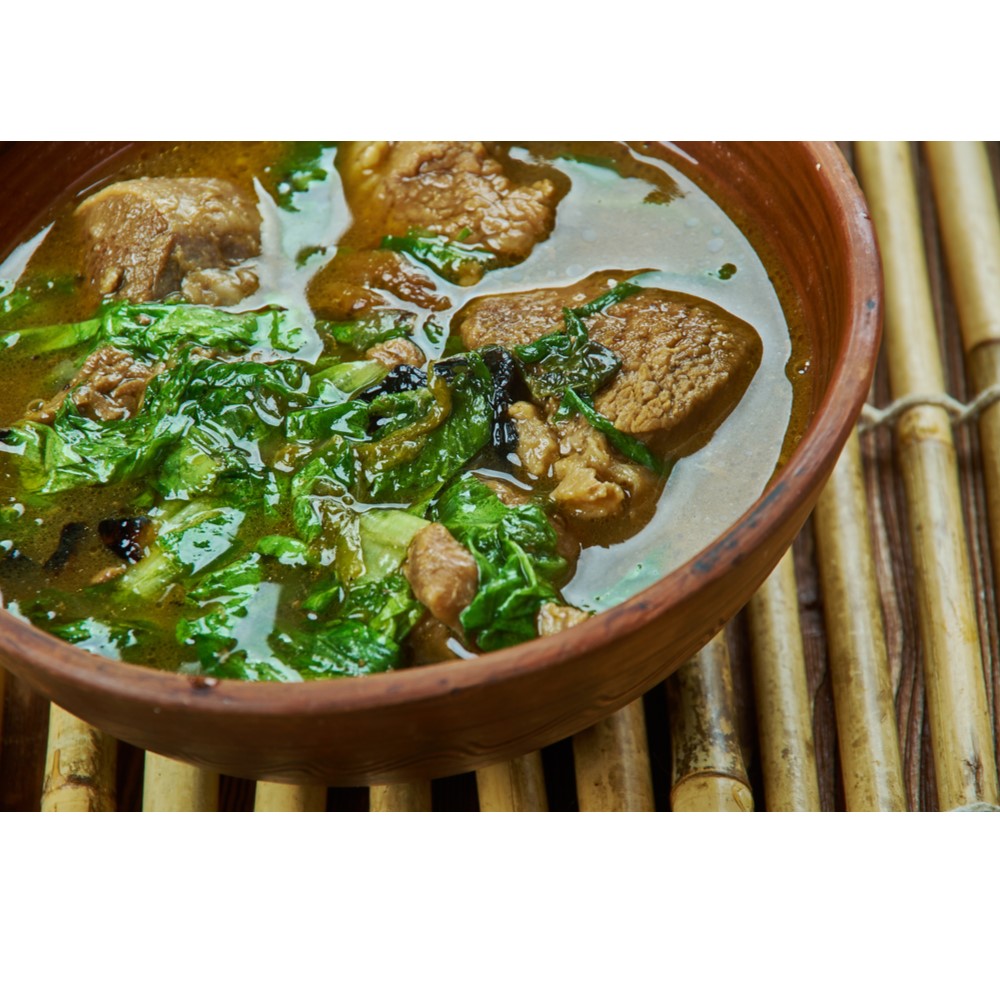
800 205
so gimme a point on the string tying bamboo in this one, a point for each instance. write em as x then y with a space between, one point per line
859 664
79 766
612 764
784 712
412 796
513 786
272 796
170 786
708 774
961 737
960 413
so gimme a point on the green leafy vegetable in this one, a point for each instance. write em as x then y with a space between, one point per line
341 381
613 296
566 359
117 640
49 339
77 451
26 304
342 649
457 262
387 606
516 550
154 331
297 171
288 551
411 463
366 331
189 541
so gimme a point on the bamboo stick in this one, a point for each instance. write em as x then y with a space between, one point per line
513 786
961 735
784 712
412 796
970 227
859 664
612 764
708 774
170 786
79 766
272 796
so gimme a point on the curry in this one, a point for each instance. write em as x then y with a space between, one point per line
301 410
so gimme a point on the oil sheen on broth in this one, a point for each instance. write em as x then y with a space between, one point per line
623 218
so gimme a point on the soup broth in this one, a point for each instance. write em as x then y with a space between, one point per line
404 403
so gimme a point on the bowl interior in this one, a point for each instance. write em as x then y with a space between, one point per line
800 207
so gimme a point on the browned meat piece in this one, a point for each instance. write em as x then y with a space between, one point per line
507 493
428 642
685 362
351 283
537 440
215 287
685 365
110 386
521 317
149 238
456 189
398 351
556 618
443 574
592 481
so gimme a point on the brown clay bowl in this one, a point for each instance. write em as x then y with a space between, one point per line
800 205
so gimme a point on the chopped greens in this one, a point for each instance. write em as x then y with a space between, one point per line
620 292
567 359
297 171
236 492
367 331
457 262
266 468
515 549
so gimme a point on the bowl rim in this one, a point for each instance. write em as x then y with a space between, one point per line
833 419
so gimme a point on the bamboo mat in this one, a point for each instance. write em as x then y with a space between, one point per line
865 675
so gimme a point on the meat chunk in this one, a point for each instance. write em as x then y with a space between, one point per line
507 493
148 238
521 317
443 574
352 283
110 385
556 618
537 440
396 352
218 288
459 190
591 481
685 362
685 365
430 641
